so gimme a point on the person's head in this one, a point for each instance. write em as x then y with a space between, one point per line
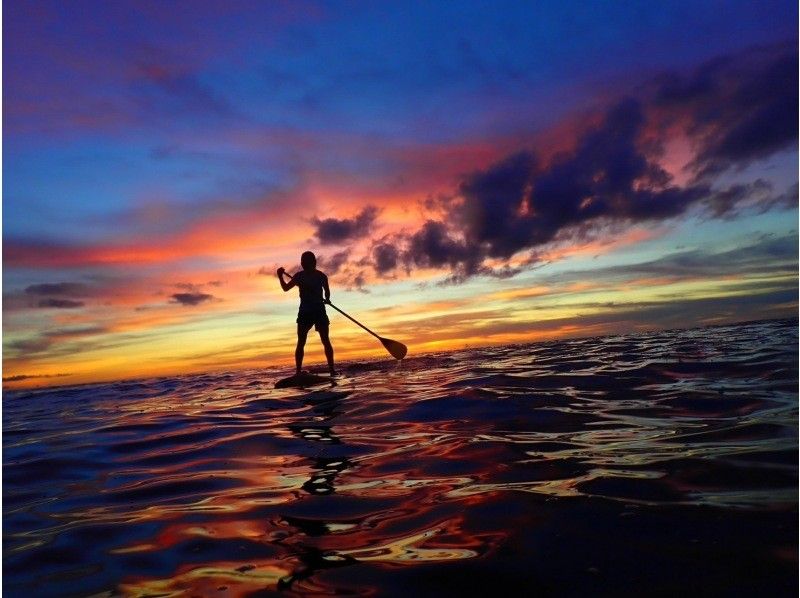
308 260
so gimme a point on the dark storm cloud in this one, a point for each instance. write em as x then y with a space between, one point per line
514 206
385 257
191 299
735 109
433 246
492 203
740 108
332 230
60 303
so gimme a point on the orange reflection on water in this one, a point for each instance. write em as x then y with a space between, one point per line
241 578
222 485
231 578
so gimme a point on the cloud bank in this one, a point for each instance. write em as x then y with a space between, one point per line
191 299
332 231
734 110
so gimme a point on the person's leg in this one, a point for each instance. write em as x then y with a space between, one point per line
326 343
302 334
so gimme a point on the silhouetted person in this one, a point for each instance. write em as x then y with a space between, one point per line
312 284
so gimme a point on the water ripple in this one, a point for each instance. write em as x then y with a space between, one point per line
469 463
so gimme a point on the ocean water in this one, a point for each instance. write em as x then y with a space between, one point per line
655 464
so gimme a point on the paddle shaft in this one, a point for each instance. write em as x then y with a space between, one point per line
344 314
354 320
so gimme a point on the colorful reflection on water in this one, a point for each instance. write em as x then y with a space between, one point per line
644 464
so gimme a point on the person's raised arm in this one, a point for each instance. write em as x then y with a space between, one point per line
285 285
326 288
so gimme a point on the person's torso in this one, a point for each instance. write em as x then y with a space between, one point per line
311 285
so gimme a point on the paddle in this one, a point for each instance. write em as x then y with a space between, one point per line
396 349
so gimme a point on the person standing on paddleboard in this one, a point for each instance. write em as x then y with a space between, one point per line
312 284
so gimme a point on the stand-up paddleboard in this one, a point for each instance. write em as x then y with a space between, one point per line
302 380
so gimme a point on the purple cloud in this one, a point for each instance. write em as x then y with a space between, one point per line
191 299
69 289
612 176
60 303
334 231
739 108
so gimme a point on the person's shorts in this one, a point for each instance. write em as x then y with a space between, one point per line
316 318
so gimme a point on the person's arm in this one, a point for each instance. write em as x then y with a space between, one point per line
326 288
285 285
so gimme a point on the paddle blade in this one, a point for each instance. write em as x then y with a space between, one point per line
398 350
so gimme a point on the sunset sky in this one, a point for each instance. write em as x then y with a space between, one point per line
468 174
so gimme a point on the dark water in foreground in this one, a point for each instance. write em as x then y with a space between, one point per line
645 465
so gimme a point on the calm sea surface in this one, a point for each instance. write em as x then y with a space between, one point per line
657 464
